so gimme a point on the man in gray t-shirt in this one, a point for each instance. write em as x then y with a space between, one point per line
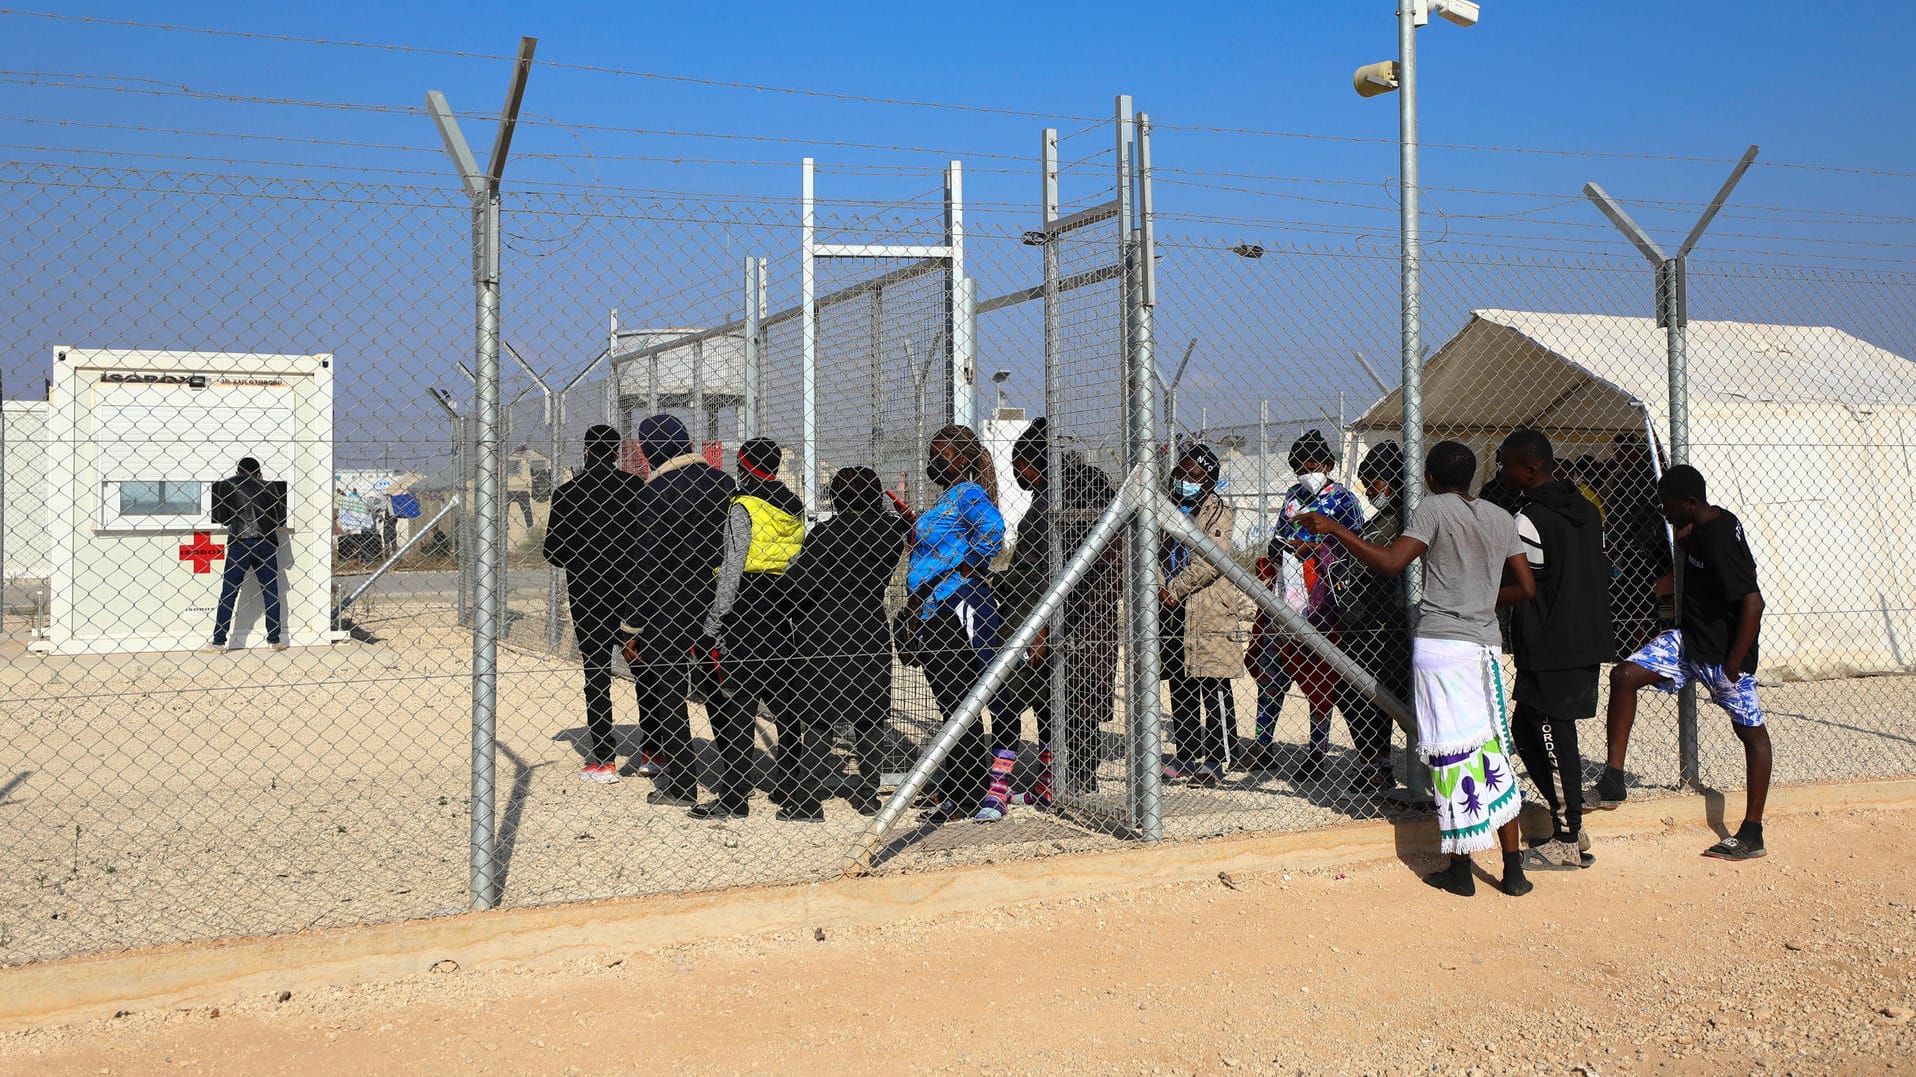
1470 549
1469 541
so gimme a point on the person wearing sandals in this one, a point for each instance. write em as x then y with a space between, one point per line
1714 645
954 615
1198 649
835 593
1473 563
1559 639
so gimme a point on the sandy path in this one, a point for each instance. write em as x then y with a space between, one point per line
1655 960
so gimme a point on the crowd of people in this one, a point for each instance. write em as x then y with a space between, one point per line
720 591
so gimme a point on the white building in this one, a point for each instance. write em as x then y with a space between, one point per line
135 441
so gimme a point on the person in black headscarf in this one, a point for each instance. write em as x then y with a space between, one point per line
841 644
1086 645
589 535
1375 620
746 633
678 550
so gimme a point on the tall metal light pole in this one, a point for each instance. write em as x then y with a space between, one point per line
1369 81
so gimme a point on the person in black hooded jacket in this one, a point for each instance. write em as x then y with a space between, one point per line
588 535
678 547
1559 638
746 632
842 645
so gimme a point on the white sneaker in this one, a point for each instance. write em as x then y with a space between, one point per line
599 774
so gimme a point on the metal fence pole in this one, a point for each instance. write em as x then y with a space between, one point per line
1061 746
808 339
748 406
1264 470
555 587
1144 709
1416 775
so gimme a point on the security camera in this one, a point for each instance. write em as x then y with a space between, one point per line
1373 79
1460 12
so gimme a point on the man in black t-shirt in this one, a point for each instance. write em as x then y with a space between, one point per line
1714 645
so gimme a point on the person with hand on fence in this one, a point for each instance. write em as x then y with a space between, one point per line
1304 567
952 612
678 548
1714 645
1086 643
1636 539
747 632
589 534
834 592
1473 564
1374 620
1559 638
1199 654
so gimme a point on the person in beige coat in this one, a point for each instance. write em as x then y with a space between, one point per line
1200 649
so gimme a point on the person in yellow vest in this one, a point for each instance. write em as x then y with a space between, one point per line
746 647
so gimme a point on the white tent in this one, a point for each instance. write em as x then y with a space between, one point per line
1804 431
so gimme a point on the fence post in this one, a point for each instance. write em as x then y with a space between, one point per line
808 339
488 607
748 406
1146 732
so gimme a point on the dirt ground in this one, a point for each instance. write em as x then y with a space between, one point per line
1655 960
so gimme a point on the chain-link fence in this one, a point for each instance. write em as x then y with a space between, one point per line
767 570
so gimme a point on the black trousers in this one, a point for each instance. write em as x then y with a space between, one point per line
855 689
953 662
734 714
598 635
665 716
1385 654
1548 747
1194 698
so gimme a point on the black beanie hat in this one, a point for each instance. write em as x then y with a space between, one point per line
761 454
601 441
1384 463
1311 446
1031 446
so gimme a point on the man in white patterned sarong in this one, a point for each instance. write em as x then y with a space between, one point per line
1473 564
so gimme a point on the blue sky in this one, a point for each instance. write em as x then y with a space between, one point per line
1635 83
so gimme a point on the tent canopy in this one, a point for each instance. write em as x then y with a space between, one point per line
1572 372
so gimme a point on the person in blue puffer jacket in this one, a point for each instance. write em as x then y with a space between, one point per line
954 615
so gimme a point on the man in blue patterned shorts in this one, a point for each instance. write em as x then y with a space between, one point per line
1713 646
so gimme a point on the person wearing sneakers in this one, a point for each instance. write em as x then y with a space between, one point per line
747 629
253 511
1306 568
589 534
1086 645
1558 639
678 550
1199 652
954 612
835 594
1473 563
1714 645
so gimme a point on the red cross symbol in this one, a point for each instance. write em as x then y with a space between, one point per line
203 551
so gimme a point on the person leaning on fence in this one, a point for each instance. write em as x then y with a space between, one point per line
253 511
1085 649
1374 620
1473 563
834 592
1199 648
589 534
1558 638
746 634
952 612
1714 645
677 552
1304 571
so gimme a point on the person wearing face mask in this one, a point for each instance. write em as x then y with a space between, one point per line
1198 649
1304 564
1086 645
955 614
1373 620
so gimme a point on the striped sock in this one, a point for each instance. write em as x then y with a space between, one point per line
999 795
